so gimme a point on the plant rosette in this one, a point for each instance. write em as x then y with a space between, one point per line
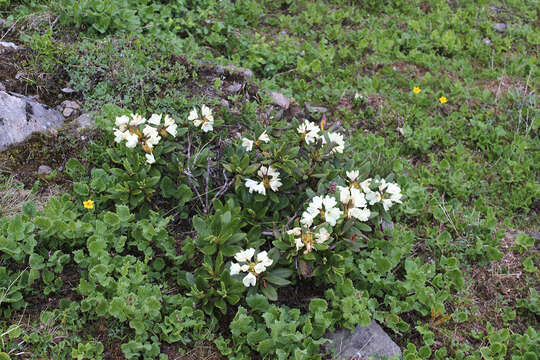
253 270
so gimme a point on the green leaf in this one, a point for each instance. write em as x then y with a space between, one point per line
270 292
276 280
81 189
318 306
43 223
36 261
111 219
383 265
258 302
74 168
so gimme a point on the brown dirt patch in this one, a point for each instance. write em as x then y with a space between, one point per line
202 351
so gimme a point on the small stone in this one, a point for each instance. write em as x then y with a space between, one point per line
365 342
9 45
71 104
225 103
316 109
68 111
245 73
44 170
487 41
280 99
234 87
85 121
2 23
500 27
2 87
68 90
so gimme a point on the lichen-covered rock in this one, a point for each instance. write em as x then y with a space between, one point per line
365 342
20 116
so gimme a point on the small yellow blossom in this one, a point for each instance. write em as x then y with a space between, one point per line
443 99
88 204
416 90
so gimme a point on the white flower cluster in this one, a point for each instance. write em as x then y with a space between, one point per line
387 193
205 121
128 130
309 132
354 198
325 207
248 144
252 268
269 180
306 238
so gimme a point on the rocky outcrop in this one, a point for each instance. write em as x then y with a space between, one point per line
20 116
366 342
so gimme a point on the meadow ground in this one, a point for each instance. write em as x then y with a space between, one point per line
440 97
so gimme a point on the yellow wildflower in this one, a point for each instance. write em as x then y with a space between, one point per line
443 99
88 204
416 90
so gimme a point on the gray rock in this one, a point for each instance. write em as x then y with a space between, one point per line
234 87
500 27
44 170
2 87
487 41
70 108
280 99
2 23
68 90
363 343
85 121
225 103
316 109
5 44
20 116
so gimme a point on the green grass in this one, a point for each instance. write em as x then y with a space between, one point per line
468 168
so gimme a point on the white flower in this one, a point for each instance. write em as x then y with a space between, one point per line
256 186
395 191
307 219
137 120
131 140
235 269
194 116
207 126
337 139
120 135
360 214
121 122
150 158
295 231
172 129
353 175
365 185
249 280
245 256
155 119
247 144
274 183
322 236
207 113
263 259
332 215
299 243
373 197
309 130
207 120
168 121
153 140
150 131
344 194
325 205
358 198
264 137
